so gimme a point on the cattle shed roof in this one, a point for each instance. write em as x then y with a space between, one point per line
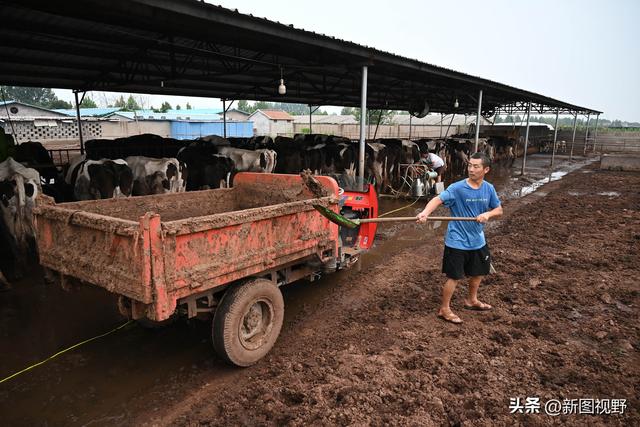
191 48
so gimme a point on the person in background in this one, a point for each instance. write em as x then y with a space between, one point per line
435 162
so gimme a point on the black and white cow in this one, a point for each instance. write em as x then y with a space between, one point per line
148 145
99 179
19 187
289 154
156 176
32 154
261 160
206 169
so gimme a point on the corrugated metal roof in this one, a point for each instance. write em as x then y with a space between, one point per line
88 112
45 111
196 111
181 115
235 110
97 47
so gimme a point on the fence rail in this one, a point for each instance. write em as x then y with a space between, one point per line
62 156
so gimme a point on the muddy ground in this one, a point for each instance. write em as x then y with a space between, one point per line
565 326
364 346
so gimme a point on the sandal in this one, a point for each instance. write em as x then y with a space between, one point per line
451 318
479 307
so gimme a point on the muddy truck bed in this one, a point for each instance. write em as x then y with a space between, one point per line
157 251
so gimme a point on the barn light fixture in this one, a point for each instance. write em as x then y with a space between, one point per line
455 104
161 83
282 89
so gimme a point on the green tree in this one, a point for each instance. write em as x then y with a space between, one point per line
372 116
262 105
131 104
243 105
189 106
38 96
291 108
165 107
178 107
88 103
298 109
347 111
120 103
60 104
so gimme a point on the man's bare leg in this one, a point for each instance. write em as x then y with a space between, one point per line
472 298
445 308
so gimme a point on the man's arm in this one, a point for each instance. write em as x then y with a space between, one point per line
484 217
431 206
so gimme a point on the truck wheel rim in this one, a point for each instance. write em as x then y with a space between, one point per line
256 324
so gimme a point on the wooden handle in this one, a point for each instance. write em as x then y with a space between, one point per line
413 218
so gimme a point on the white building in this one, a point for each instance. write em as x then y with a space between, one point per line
237 115
11 110
272 123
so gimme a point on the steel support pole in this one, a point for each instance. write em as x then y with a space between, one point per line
595 135
310 121
555 139
478 120
410 116
224 117
586 135
363 118
79 123
526 141
441 120
573 138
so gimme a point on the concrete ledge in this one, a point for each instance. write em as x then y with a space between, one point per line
620 162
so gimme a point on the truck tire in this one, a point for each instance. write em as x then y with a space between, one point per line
247 322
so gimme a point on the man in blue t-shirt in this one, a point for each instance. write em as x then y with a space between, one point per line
466 252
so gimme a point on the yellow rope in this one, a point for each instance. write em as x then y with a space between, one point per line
399 209
63 351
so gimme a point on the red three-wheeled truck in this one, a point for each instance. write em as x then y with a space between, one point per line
222 252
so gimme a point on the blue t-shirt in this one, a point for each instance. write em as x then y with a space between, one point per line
463 200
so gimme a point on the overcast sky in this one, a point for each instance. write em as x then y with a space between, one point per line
583 52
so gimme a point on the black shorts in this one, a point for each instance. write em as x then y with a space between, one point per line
457 263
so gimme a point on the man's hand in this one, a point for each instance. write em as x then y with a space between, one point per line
422 217
483 217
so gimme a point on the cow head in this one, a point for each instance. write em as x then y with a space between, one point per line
157 183
109 179
123 178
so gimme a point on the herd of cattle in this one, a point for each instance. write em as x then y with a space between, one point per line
149 164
